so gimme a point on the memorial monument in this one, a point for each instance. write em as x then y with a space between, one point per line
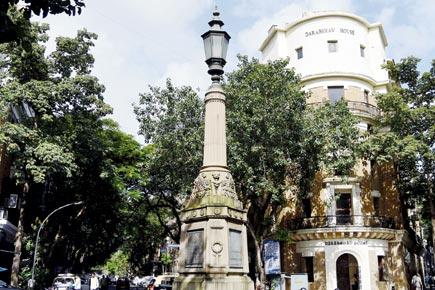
213 247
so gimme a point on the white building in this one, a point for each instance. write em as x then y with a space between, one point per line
350 229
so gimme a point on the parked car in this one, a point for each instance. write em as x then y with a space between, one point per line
164 281
4 285
123 284
63 282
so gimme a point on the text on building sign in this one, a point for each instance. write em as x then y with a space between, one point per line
354 243
329 30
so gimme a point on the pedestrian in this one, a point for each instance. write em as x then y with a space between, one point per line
416 282
77 283
104 285
95 285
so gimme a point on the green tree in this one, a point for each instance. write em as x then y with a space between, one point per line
117 264
11 29
404 133
275 143
61 140
171 119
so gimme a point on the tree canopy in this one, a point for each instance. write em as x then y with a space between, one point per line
272 136
11 28
405 132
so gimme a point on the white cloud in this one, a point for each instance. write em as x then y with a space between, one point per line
249 40
409 27
143 42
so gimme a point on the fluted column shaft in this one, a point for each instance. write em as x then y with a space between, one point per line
215 145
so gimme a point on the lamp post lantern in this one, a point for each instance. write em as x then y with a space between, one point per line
216 46
213 240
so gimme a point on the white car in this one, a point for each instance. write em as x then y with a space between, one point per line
63 282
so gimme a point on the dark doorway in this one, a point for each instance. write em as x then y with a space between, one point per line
347 273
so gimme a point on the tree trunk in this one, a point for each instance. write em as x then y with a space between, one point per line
15 269
17 243
259 263
432 208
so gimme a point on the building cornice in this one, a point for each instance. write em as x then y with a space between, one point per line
275 28
361 77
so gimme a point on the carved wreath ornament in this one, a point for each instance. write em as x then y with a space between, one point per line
214 183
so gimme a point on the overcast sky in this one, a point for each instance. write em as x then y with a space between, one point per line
143 42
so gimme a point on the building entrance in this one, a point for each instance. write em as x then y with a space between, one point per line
347 273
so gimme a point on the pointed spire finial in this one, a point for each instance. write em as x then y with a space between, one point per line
216 22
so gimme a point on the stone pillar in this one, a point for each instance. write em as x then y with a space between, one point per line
215 147
214 246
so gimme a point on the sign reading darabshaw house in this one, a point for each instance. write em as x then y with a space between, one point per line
329 30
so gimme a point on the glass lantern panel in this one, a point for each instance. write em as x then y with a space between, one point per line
207 47
217 45
224 47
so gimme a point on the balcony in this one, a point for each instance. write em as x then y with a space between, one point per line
341 221
363 108
342 226
358 108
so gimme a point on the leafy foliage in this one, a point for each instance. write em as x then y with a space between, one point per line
64 151
275 143
404 134
11 28
117 264
171 118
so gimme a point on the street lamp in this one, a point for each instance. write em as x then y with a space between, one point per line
215 46
32 281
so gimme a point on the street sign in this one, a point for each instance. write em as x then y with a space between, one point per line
299 281
272 257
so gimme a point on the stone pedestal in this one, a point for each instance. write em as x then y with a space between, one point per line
213 248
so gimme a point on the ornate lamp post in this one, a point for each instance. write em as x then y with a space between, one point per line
213 248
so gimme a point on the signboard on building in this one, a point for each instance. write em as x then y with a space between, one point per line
272 257
299 281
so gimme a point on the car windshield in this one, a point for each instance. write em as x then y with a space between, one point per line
63 281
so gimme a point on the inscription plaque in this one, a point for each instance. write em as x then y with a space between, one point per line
235 249
194 251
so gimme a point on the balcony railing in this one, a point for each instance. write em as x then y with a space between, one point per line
362 107
332 221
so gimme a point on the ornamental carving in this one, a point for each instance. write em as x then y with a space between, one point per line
201 186
211 184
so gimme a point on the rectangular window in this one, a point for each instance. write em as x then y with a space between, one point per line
195 249
366 96
343 208
235 249
306 207
299 52
309 268
335 93
381 268
376 205
362 50
332 45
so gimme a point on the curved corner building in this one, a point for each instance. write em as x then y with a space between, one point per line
349 233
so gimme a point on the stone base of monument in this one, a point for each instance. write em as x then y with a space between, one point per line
213 282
